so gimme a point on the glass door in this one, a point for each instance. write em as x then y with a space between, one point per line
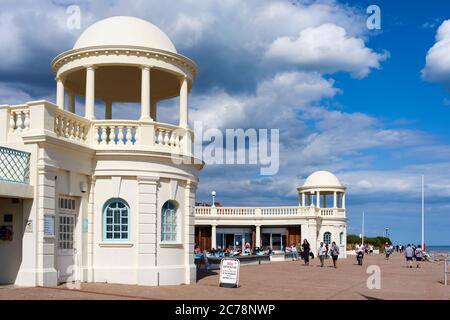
238 242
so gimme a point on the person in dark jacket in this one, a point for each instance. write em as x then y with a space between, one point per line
306 248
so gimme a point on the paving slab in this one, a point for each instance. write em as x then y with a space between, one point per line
289 280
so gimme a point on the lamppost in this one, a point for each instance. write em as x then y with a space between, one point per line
213 199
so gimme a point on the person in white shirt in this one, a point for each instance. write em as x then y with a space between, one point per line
322 253
359 249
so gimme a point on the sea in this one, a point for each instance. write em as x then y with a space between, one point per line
440 249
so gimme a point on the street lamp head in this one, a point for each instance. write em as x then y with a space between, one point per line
213 193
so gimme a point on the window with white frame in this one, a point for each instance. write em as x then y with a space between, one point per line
116 220
327 237
170 222
66 203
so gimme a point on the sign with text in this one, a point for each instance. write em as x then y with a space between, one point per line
29 226
229 273
49 225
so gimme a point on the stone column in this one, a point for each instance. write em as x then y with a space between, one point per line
90 93
145 93
343 200
46 205
60 93
72 102
335 199
317 199
258 236
147 218
184 103
108 110
213 237
303 204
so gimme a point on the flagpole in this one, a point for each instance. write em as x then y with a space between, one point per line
362 240
423 211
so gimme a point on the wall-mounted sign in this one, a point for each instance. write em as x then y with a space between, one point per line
29 226
229 273
49 225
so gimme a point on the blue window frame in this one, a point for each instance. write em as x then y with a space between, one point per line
170 222
116 220
327 237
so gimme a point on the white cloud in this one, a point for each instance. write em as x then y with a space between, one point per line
327 49
437 67
273 105
10 94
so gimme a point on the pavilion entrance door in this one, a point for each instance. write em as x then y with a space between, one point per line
66 249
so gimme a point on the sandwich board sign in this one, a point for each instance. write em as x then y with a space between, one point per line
229 273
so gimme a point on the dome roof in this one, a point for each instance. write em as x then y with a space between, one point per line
322 179
124 31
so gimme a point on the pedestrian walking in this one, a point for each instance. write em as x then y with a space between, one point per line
334 252
306 249
388 250
322 253
419 255
409 255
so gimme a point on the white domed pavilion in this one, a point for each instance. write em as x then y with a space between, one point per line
320 216
107 199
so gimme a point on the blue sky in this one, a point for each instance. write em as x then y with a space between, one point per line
345 98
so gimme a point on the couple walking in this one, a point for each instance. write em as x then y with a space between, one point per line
322 253
333 252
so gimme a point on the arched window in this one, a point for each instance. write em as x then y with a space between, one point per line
170 224
327 237
116 220
341 238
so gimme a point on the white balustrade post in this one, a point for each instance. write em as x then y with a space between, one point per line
19 121
90 93
60 93
120 135
145 93
128 136
184 96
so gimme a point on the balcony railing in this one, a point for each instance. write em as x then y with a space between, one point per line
96 134
14 165
267 212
